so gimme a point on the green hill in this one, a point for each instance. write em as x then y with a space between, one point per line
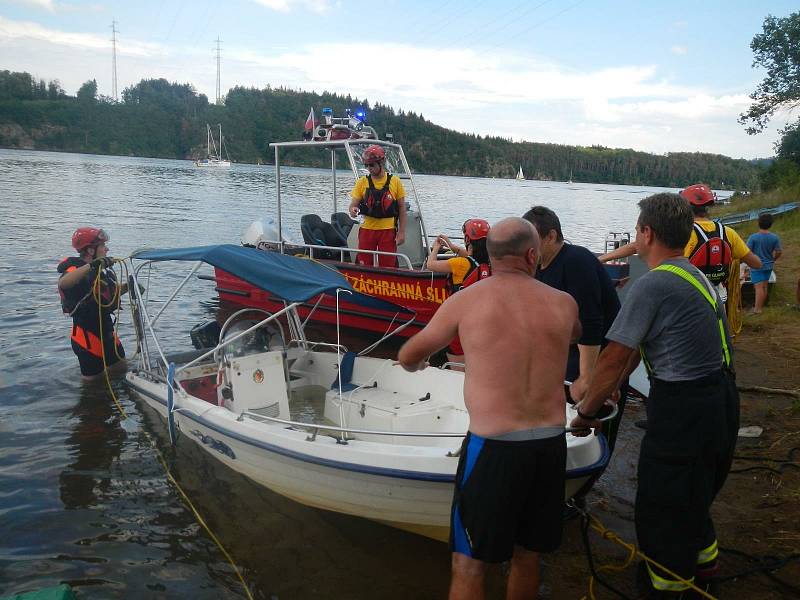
156 118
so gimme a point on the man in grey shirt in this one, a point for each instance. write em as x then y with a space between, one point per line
677 322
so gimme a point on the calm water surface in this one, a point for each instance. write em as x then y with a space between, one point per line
83 499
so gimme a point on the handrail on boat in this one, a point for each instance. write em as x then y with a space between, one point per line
317 426
311 345
341 250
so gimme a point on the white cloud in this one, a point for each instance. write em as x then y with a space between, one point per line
679 50
696 107
26 30
475 79
318 6
47 5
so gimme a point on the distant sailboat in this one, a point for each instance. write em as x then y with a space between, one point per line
570 176
214 159
520 175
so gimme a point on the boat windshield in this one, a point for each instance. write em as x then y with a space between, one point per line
394 163
262 339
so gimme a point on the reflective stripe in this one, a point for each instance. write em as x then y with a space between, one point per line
682 273
706 555
89 341
668 585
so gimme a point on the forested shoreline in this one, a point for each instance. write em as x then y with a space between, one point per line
156 118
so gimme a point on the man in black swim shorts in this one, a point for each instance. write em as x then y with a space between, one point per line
509 491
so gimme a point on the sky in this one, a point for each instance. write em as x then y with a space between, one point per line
668 76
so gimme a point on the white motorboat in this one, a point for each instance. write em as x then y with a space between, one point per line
312 421
214 155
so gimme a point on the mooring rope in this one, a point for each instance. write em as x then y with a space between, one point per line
151 441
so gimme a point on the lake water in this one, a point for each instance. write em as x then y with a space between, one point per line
83 499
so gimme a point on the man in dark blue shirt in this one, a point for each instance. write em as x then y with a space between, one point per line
575 270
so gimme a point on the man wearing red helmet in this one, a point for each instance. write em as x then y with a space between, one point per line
705 233
381 199
91 303
470 265
700 198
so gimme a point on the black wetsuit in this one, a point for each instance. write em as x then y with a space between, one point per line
86 321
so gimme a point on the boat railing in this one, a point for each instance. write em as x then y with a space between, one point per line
317 427
403 259
451 363
310 346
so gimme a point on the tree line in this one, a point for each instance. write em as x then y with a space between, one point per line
157 118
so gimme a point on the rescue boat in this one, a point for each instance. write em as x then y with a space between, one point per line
312 421
333 241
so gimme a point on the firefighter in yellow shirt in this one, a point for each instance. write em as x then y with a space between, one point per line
381 199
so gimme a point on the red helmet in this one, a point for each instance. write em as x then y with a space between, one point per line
88 236
373 154
475 229
698 194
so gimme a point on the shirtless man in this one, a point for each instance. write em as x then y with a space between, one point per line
509 493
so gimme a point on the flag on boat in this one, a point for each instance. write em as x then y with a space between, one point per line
310 122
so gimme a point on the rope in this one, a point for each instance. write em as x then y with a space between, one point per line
734 304
633 552
151 441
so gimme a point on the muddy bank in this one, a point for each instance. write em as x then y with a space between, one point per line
757 512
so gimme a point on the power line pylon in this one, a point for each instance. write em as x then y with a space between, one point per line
219 94
114 33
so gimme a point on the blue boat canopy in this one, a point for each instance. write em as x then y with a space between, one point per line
293 279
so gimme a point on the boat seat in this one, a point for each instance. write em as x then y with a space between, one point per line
346 373
319 233
342 224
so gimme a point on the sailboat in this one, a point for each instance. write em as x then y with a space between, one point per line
570 176
520 175
214 159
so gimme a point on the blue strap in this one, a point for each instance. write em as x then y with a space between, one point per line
346 373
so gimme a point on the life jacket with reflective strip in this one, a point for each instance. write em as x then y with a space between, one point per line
477 272
706 293
379 203
90 341
712 254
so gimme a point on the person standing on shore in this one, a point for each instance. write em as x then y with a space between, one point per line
767 246
672 316
575 270
509 494
89 294
708 235
381 199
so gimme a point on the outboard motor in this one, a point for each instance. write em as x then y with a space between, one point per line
263 234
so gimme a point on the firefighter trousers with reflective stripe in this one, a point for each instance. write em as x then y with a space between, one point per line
685 458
